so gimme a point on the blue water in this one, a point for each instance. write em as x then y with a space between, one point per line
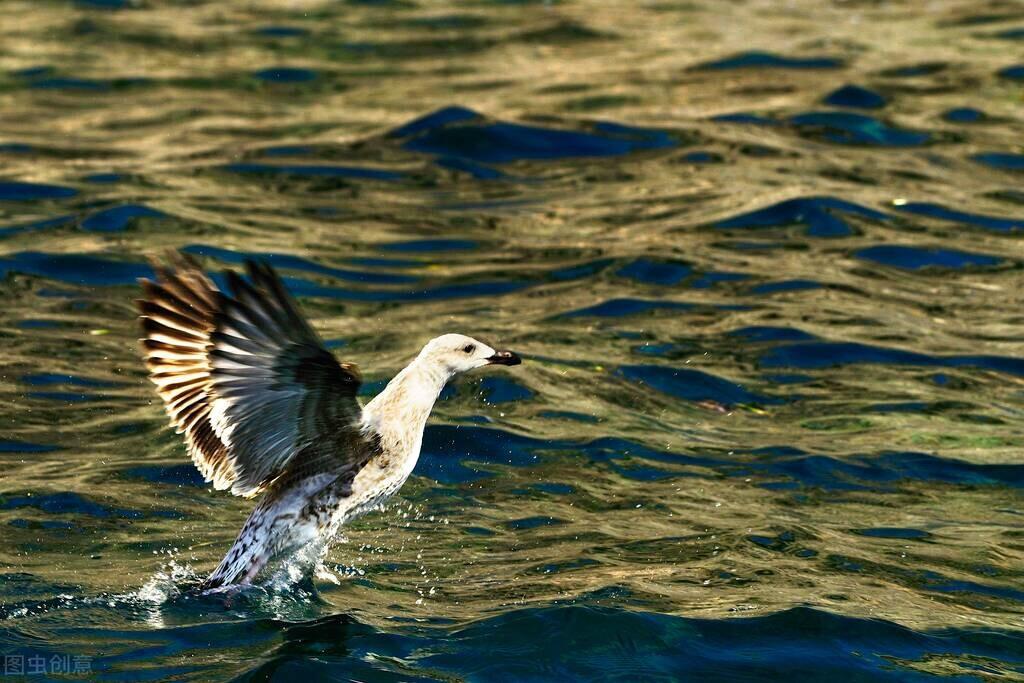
763 265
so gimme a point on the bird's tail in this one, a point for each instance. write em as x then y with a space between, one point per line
248 555
270 530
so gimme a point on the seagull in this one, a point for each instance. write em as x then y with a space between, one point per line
267 411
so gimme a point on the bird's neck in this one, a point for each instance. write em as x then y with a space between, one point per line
399 413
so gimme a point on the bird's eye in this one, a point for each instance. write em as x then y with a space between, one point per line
469 348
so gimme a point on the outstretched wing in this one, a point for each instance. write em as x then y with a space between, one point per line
243 375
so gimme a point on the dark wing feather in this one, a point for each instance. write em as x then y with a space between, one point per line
243 376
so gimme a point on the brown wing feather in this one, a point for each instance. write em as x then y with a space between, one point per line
243 376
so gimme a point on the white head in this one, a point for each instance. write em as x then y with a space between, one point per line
455 353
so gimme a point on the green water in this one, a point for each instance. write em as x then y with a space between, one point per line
762 260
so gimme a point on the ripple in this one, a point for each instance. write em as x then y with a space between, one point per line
907 257
914 70
435 120
943 213
1011 34
693 385
481 288
771 334
566 566
458 133
702 157
783 542
785 286
14 446
104 4
446 447
65 83
555 488
175 475
787 378
712 278
478 171
529 523
811 355
964 115
856 129
39 324
49 525
83 86
745 118
461 454
1013 73
118 218
11 191
913 407
563 32
580 271
1005 161
881 471
827 354
104 178
289 262
756 59
656 271
449 21
282 31
856 97
287 151
49 378
569 415
312 171
821 216
897 533
925 580
286 74
74 268
65 502
615 308
66 396
432 245
582 642
498 390
593 643
465 453
662 350
38 226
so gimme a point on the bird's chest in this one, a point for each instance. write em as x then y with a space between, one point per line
380 479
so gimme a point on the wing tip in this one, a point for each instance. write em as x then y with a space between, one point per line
183 316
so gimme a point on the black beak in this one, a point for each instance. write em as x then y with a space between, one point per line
504 358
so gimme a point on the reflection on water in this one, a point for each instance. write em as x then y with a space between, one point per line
763 261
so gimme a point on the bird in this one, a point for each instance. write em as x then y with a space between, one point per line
267 412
